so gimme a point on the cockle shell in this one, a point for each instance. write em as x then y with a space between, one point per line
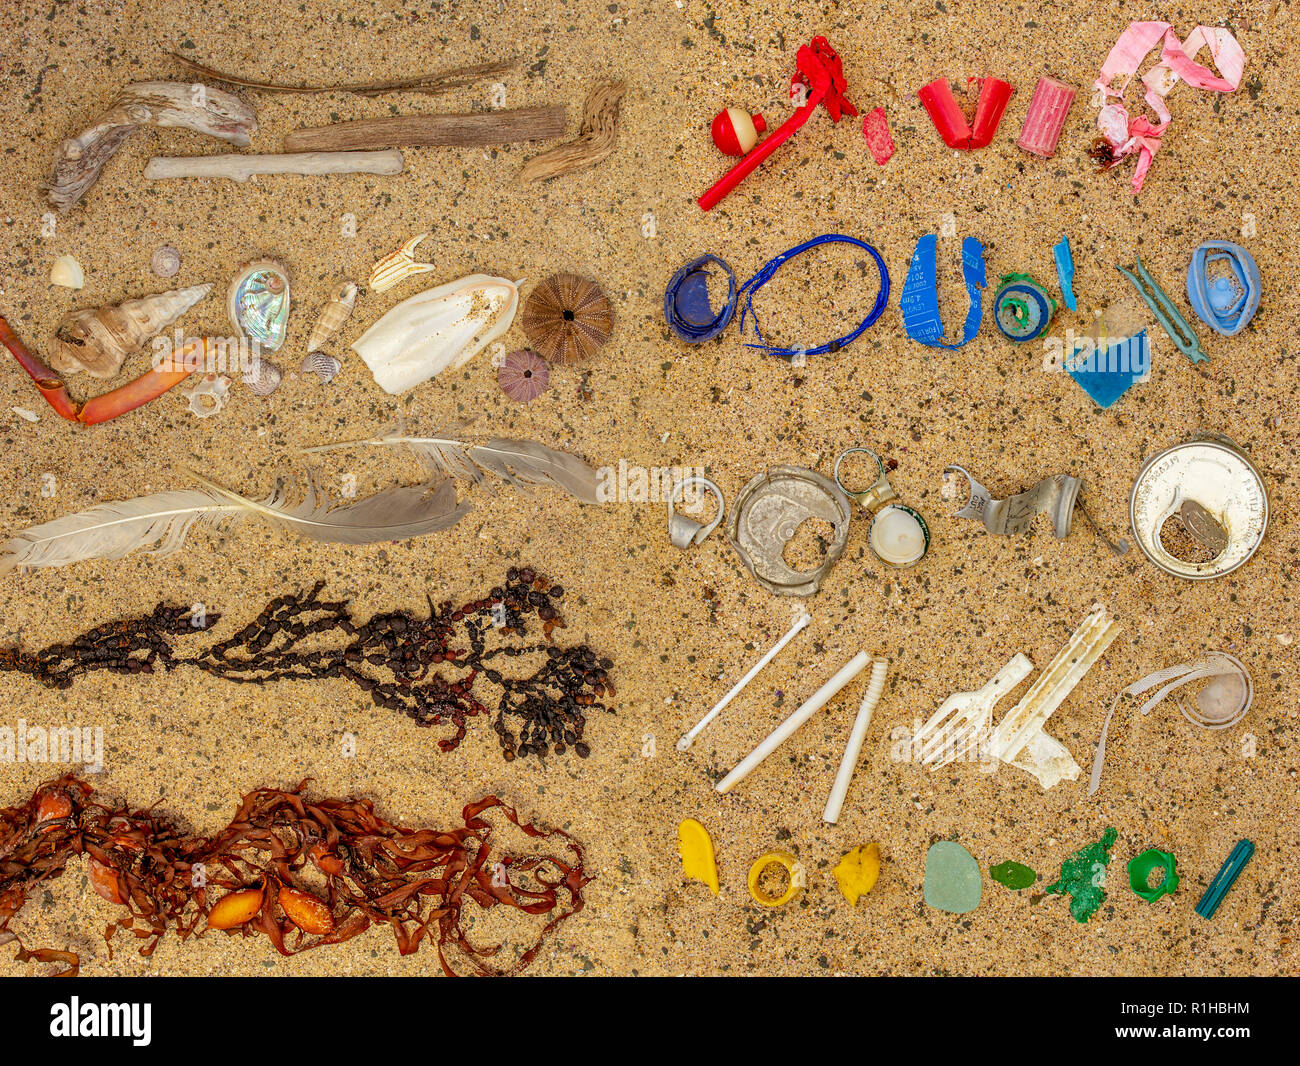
325 367
97 340
398 266
262 377
333 315
66 272
165 262
258 303
440 329
207 395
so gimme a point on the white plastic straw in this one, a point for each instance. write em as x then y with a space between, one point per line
687 740
778 736
875 687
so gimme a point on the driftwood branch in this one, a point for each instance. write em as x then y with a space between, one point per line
456 131
597 137
156 103
243 167
438 82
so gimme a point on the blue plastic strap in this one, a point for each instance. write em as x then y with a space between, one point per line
751 287
920 300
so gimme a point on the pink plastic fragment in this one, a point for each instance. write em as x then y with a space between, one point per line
875 128
1126 134
1047 110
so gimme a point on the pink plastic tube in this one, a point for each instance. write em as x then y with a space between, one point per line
1047 110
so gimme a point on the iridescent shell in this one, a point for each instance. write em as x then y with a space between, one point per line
165 262
262 377
325 367
567 318
333 315
523 375
258 303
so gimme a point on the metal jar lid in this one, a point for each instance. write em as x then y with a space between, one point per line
1218 495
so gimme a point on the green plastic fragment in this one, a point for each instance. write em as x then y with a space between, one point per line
1013 874
1083 874
1139 874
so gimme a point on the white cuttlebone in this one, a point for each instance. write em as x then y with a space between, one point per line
436 330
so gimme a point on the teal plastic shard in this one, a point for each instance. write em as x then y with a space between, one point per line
1225 878
1083 876
1167 314
1142 866
1013 875
1065 271
952 878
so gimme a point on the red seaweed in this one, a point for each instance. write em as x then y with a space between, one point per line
357 868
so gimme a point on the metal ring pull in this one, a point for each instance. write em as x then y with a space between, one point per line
878 492
686 532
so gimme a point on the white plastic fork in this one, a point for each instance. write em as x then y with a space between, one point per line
963 718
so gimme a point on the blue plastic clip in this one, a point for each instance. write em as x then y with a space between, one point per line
1225 878
687 309
1224 303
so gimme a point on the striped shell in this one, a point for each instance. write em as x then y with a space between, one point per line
523 375
398 266
262 377
567 318
325 367
333 315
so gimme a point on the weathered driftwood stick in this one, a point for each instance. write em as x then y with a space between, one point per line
455 131
597 137
156 103
243 167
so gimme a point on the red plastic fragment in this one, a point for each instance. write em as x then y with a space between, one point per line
1047 110
951 123
875 128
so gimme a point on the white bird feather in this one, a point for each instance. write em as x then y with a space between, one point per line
159 523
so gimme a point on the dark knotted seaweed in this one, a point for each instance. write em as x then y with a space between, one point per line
305 873
400 659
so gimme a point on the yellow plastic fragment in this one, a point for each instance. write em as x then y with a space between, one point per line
857 872
794 871
696 850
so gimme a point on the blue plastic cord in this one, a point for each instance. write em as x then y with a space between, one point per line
751 287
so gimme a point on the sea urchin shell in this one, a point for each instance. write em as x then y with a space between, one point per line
523 375
567 318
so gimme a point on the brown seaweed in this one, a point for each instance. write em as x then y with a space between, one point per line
353 866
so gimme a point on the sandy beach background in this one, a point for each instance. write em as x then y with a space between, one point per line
681 628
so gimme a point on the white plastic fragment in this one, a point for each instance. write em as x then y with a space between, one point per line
875 689
962 720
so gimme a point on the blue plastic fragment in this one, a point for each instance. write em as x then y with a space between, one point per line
687 308
1106 376
920 300
1225 302
765 273
1065 272
1225 878
1022 310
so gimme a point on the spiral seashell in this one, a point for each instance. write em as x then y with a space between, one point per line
523 375
98 339
258 303
567 318
165 262
325 367
333 315
397 266
262 377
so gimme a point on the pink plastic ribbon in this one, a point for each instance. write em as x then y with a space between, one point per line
1126 134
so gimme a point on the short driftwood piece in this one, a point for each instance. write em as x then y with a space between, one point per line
453 131
243 167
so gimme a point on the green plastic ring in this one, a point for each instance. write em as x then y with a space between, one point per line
1139 874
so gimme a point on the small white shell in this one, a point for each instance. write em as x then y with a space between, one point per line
24 413
262 377
165 262
208 394
325 367
66 272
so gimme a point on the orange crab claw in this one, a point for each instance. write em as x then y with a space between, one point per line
148 386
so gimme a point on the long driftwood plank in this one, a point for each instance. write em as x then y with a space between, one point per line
456 131
243 167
